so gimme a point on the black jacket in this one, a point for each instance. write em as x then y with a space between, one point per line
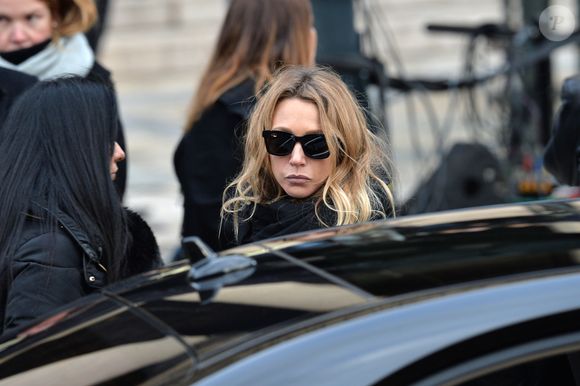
12 83
208 157
51 269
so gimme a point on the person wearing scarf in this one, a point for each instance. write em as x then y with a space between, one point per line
44 39
310 162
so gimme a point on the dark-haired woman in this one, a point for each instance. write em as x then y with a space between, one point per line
256 38
45 39
64 233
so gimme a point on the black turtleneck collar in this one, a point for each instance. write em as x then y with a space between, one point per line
18 56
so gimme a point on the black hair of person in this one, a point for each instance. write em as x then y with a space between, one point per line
56 147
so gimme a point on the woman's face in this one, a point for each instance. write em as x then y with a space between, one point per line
23 24
298 175
118 156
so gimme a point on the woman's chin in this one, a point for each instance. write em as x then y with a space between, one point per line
299 192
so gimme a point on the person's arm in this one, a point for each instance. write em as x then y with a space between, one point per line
47 273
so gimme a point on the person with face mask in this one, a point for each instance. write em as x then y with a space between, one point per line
44 39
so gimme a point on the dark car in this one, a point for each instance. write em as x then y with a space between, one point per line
487 296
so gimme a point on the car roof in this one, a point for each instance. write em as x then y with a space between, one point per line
391 257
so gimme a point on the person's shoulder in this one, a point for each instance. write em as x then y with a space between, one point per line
241 98
143 253
136 223
98 71
41 245
217 119
242 91
14 82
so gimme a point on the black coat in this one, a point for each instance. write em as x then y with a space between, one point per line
51 269
12 83
208 157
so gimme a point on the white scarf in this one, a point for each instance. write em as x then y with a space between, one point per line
70 55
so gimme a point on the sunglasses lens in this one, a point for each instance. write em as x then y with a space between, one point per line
315 146
279 143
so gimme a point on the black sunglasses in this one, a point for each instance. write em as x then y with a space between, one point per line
281 143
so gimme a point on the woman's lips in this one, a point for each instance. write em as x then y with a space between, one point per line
297 179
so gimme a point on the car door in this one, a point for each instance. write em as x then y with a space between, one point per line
412 339
540 352
101 341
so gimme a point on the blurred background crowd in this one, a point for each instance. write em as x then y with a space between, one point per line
467 110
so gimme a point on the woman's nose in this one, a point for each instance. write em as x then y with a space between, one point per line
17 33
297 156
118 154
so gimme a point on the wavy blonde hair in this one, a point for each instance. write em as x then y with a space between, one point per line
360 160
256 38
71 16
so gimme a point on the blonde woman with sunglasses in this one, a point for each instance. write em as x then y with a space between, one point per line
310 162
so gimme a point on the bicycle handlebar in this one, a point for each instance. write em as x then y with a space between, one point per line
490 30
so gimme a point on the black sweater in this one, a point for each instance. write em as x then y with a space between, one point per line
208 157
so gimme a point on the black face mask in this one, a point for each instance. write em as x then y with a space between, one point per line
19 56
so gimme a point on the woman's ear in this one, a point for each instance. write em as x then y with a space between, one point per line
313 45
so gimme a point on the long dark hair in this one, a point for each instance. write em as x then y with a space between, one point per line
55 153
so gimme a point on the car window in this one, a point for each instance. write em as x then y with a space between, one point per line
549 371
516 354
547 362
